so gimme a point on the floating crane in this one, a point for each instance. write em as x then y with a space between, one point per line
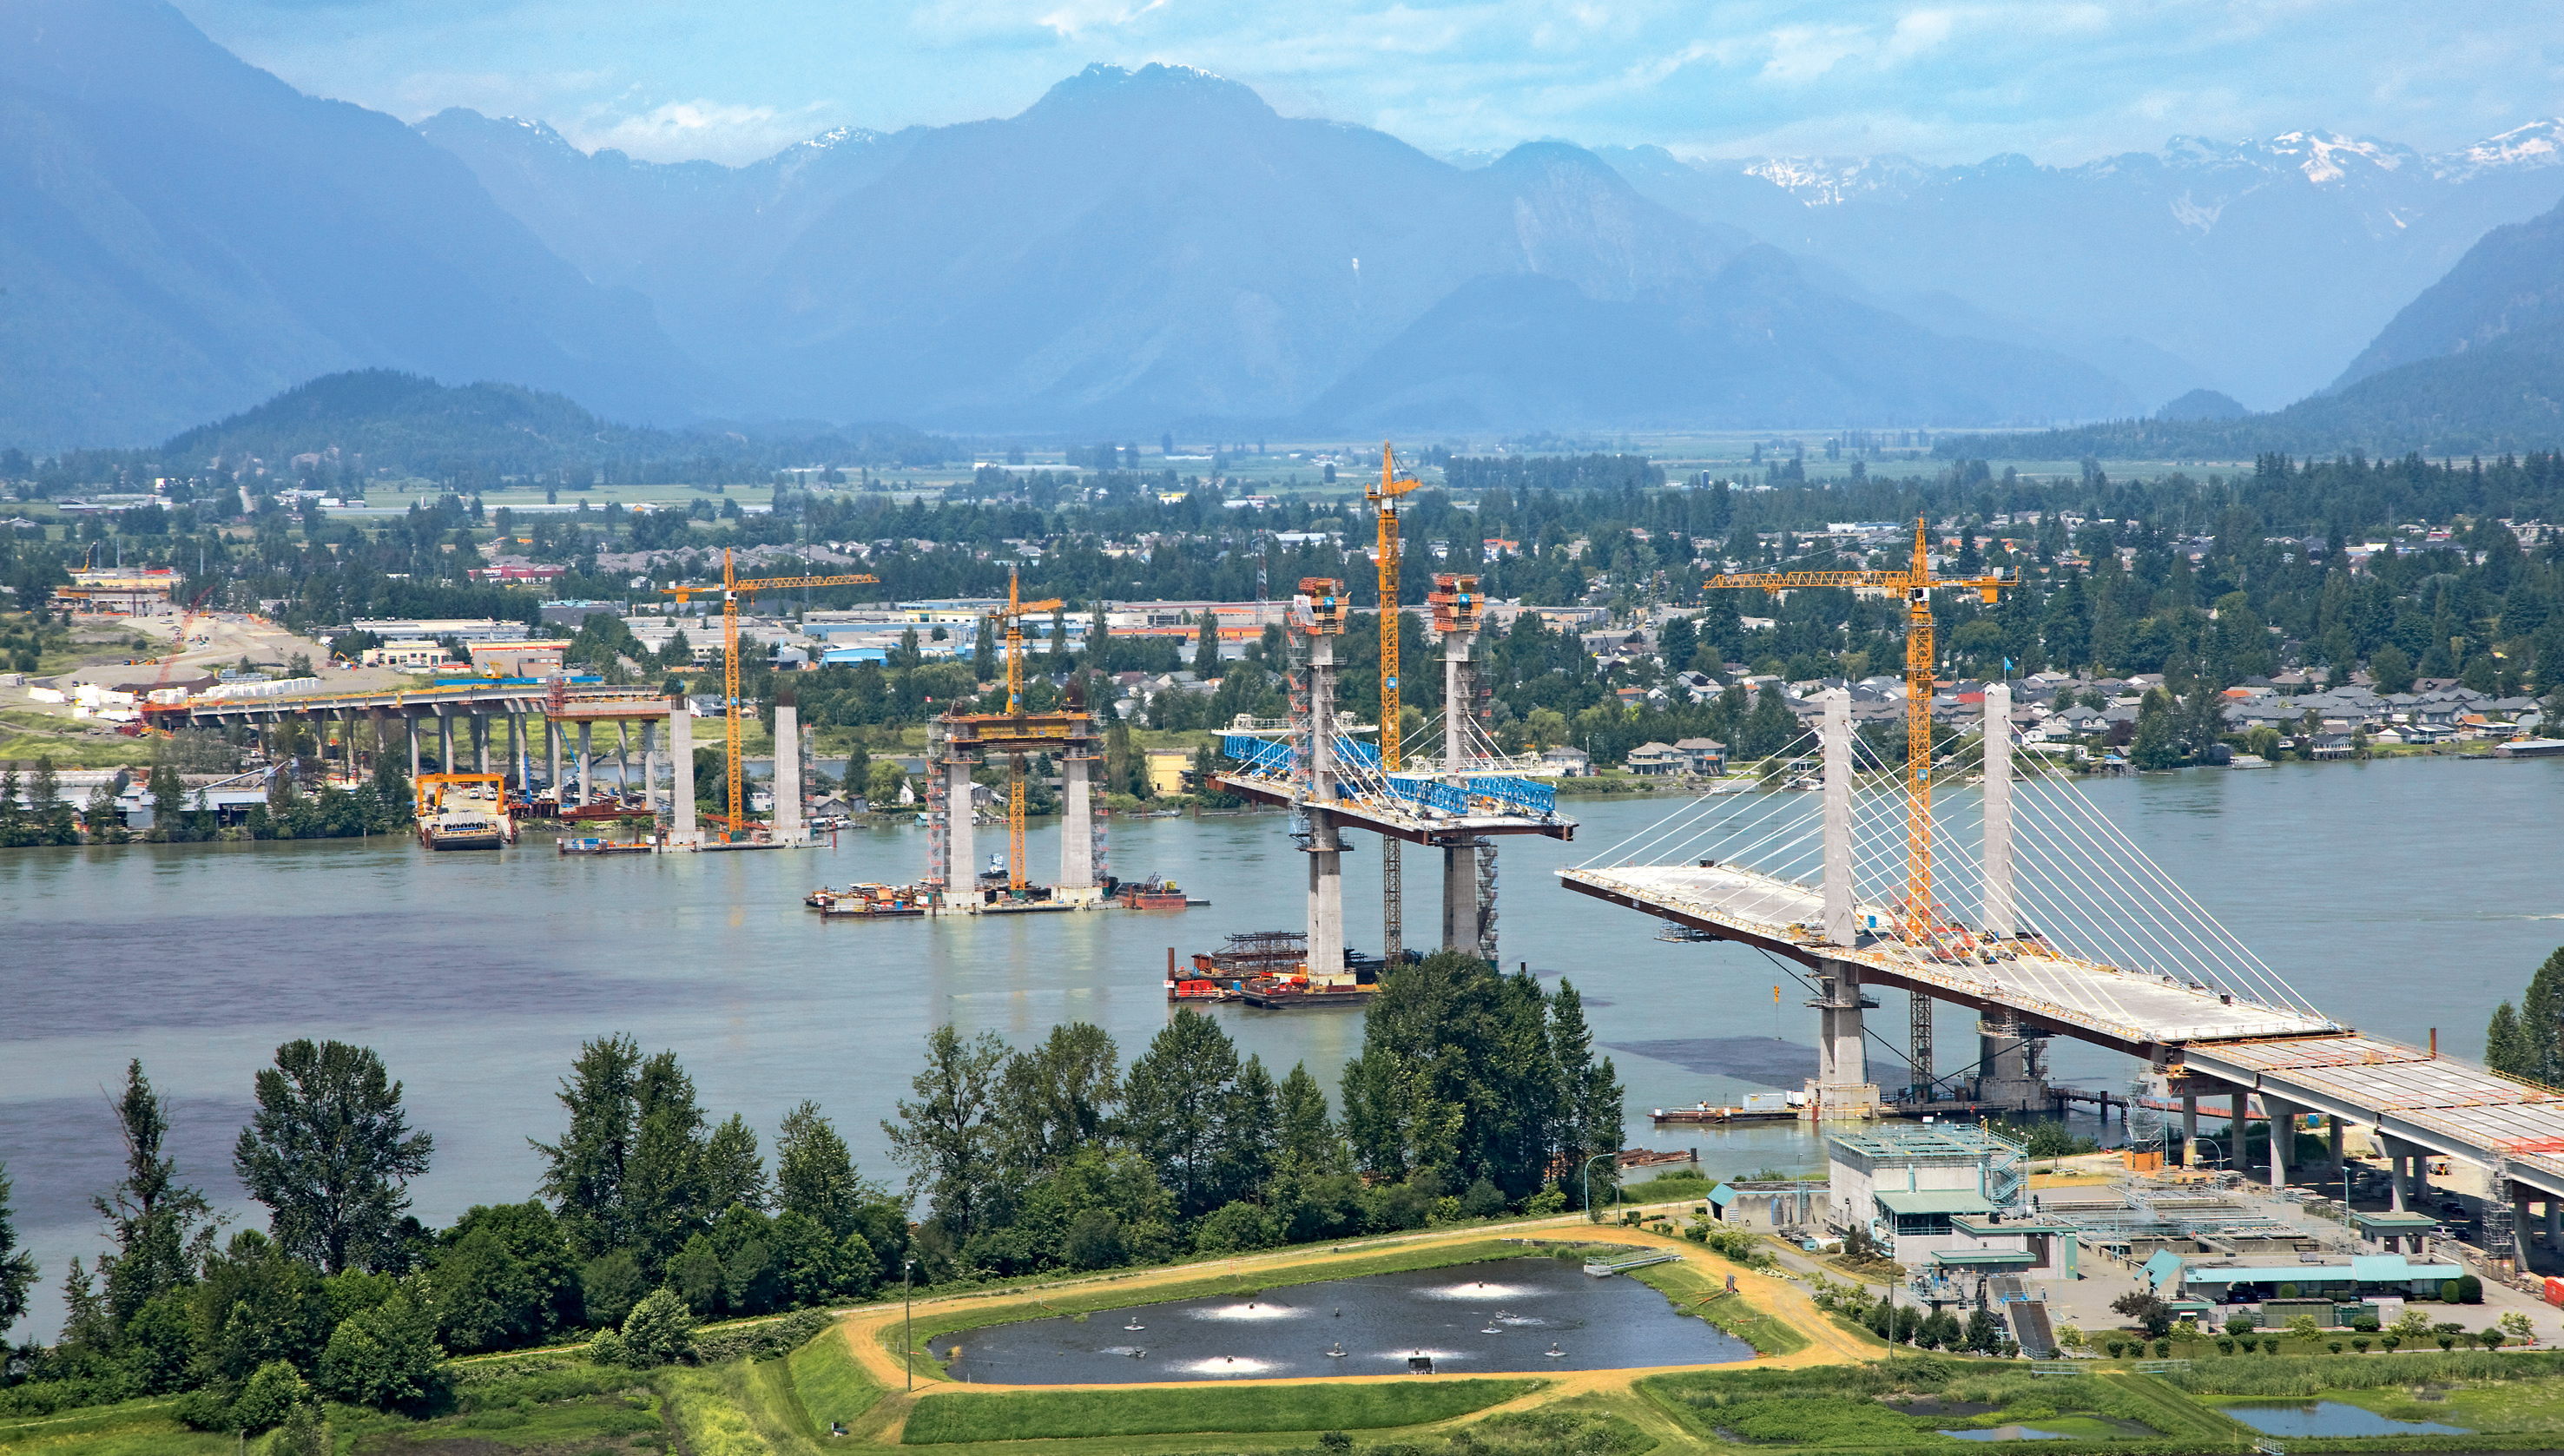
734 589
1922 923
1393 888
1015 611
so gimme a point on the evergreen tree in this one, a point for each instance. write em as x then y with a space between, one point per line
984 653
1098 642
330 1152
2541 1020
1183 1104
1206 648
2507 1048
814 1173
663 1184
163 1229
1308 1139
733 1174
584 1171
1589 1091
859 771
2153 747
17 1268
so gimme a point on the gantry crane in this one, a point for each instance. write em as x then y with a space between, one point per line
734 589
1015 611
1393 888
1922 926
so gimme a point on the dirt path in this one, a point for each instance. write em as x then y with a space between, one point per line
872 1334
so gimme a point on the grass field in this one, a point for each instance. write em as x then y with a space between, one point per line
1701 1293
829 1384
133 1429
1207 1409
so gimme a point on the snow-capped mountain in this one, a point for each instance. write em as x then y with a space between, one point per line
2259 268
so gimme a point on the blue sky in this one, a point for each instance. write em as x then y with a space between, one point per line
2059 81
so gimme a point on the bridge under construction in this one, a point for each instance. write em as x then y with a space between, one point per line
2046 921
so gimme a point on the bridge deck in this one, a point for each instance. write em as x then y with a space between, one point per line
2134 1010
2447 1105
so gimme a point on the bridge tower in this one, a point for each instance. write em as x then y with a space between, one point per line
1841 1087
1317 620
1466 919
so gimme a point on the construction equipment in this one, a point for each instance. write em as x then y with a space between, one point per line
1393 888
734 589
1015 611
1922 924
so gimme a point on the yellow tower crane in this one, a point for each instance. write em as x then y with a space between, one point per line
1917 583
1014 612
734 589
1393 888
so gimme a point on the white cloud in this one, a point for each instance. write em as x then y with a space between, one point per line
682 131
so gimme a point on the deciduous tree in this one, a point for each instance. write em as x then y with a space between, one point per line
330 1152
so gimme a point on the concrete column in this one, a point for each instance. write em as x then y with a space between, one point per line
552 745
586 789
409 730
681 772
622 758
1460 897
2332 1137
1455 698
444 741
2189 1126
2554 1224
480 742
2000 915
516 758
2236 1126
2520 1193
1843 1058
1326 858
1841 920
650 764
788 773
2403 1192
2284 1137
1076 826
956 810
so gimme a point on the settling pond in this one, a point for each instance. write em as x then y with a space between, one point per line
1512 1315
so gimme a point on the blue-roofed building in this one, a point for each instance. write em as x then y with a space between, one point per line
2239 1280
1907 1183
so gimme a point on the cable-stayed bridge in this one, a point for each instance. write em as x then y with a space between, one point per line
2028 904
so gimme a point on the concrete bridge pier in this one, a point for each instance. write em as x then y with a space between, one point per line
680 775
552 746
585 789
962 850
2284 1137
1076 824
2405 1191
2189 1124
444 741
1843 1088
480 742
788 771
1326 849
409 730
649 765
1459 859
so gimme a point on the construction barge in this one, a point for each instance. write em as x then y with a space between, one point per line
1270 970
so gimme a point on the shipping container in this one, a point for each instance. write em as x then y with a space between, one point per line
1767 1102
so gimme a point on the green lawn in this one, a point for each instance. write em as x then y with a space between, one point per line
132 1428
1013 1417
1700 1292
828 1382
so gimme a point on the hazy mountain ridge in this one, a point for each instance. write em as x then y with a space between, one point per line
2257 265
185 235
2510 281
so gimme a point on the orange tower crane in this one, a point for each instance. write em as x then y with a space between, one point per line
1922 923
1393 888
1015 611
734 589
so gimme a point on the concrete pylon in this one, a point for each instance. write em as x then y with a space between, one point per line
2189 1124
1076 825
2001 918
1840 919
788 773
1841 1088
682 833
2283 1134
586 757
961 848
1459 861
409 730
1326 849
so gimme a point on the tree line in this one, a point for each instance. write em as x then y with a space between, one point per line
1475 1094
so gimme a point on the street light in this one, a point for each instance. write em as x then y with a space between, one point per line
908 1322
1588 1173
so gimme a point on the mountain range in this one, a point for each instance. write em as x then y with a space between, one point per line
183 235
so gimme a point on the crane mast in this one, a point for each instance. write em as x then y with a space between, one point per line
1921 922
1014 612
735 589
1392 874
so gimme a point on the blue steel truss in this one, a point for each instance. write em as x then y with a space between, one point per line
1522 793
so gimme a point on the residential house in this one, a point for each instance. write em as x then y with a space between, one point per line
1566 763
1702 755
1658 759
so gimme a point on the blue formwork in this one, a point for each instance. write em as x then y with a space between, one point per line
1522 793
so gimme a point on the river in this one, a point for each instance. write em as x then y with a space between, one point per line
2399 896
